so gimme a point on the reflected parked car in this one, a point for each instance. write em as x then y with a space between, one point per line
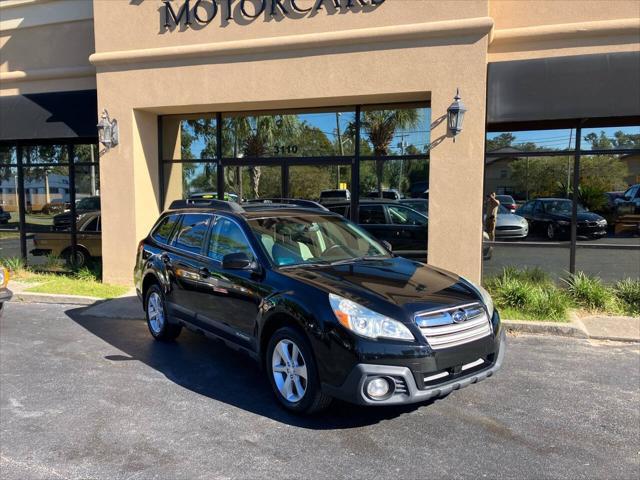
510 226
89 241
418 204
332 196
552 217
507 202
5 217
629 202
62 221
402 227
391 194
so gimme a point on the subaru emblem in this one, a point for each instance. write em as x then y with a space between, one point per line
459 316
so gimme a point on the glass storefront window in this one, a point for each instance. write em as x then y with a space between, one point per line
46 197
608 138
189 137
395 130
8 155
323 183
282 135
185 179
394 179
45 154
243 183
531 141
8 198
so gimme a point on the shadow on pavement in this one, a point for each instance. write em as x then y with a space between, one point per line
214 370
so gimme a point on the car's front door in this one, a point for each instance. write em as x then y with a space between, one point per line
373 219
184 261
409 231
233 297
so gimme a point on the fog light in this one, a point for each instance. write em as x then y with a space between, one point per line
378 388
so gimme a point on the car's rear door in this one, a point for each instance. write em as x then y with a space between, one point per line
184 261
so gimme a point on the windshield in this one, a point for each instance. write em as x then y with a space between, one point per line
561 207
88 203
314 239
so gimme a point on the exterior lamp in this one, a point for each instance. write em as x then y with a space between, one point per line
455 115
107 130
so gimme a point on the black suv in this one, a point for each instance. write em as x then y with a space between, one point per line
317 301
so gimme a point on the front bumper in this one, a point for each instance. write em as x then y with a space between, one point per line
406 389
5 295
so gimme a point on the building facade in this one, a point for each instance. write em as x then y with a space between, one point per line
285 98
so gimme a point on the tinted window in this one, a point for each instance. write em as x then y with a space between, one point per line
341 209
93 225
226 238
405 216
372 215
192 232
526 208
163 231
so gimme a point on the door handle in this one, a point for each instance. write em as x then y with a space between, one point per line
204 272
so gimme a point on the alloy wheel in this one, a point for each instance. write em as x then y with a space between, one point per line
551 231
155 312
289 370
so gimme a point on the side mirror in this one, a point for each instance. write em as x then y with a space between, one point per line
237 261
387 245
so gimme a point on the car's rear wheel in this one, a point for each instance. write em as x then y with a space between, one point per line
551 231
80 260
293 373
157 319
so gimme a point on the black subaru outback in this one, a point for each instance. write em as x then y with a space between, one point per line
315 299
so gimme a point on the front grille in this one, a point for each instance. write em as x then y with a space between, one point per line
509 227
442 331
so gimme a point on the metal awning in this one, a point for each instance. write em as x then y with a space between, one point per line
46 116
604 86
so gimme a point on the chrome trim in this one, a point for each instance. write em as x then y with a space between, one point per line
436 376
440 330
446 309
467 366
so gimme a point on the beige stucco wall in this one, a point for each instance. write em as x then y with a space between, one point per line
526 29
377 65
45 46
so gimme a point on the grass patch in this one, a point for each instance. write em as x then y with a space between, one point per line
84 282
65 285
531 294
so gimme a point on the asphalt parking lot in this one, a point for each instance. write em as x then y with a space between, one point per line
85 398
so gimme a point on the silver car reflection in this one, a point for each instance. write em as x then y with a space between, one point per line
510 226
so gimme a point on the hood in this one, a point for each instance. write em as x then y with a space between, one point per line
388 285
582 216
505 219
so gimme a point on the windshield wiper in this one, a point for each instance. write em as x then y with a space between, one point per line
356 259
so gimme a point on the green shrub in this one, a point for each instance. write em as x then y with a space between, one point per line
590 293
548 303
13 264
628 292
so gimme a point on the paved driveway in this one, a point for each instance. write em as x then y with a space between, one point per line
91 398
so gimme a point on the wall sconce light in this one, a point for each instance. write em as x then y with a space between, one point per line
107 130
455 115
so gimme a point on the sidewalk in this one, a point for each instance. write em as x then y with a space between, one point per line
128 306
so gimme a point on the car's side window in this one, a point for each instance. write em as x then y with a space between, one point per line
372 215
192 231
162 233
93 226
539 208
405 216
227 237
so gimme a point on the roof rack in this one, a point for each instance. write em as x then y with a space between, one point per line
206 203
293 202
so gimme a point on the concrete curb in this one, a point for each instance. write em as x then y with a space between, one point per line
27 297
572 329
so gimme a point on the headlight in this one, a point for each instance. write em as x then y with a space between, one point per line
602 222
365 322
484 295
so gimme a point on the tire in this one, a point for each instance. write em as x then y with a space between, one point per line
551 231
156 315
289 378
82 258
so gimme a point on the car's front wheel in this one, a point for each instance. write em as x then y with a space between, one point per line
157 319
551 231
293 373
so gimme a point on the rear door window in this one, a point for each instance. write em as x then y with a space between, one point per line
162 233
193 229
372 215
